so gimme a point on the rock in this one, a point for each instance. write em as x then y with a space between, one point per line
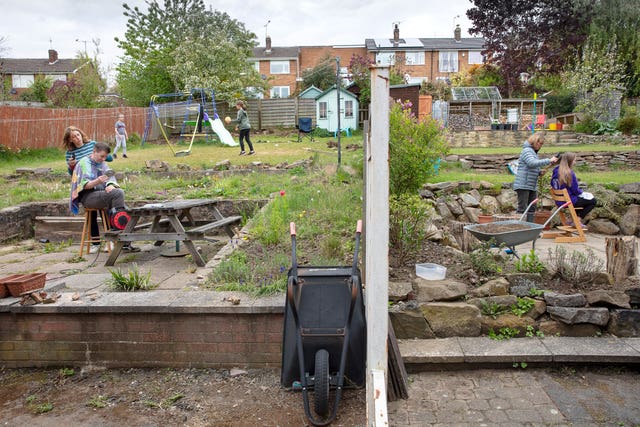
523 283
427 194
443 211
603 226
410 324
223 165
630 222
539 308
508 320
624 323
157 165
442 186
634 295
398 291
631 188
452 319
452 158
504 301
467 200
602 298
570 315
560 300
493 287
454 207
508 200
438 290
554 327
489 205
472 213
234 372
183 167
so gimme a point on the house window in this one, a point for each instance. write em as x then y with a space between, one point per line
279 92
322 106
475 57
279 67
253 92
54 77
256 66
348 108
386 58
414 58
448 61
22 80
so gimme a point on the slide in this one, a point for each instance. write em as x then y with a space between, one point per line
222 132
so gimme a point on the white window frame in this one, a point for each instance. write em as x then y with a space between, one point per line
448 61
279 67
256 66
323 110
414 58
475 57
279 92
55 77
22 81
348 108
386 58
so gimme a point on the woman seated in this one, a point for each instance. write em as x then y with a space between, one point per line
564 177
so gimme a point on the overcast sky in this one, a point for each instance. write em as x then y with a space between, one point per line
32 27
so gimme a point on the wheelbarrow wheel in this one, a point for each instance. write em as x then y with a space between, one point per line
321 382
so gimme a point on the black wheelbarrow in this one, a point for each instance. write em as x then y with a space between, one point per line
324 339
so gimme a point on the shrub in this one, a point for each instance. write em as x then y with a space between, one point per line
575 267
485 262
414 148
408 219
529 263
588 125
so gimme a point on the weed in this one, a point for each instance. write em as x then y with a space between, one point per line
492 309
132 281
173 399
43 408
52 247
97 401
536 293
522 365
75 259
576 267
522 306
409 216
483 261
236 273
503 333
31 399
531 332
529 263
66 372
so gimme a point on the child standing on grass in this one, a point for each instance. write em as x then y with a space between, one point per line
243 125
121 137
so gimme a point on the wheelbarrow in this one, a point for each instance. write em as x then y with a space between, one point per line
511 233
324 338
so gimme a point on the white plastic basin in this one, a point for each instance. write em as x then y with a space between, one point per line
430 271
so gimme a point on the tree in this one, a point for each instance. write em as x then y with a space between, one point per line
525 36
157 40
38 90
322 76
82 89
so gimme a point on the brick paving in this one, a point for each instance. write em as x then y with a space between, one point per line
521 397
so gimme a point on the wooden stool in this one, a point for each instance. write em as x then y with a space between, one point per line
87 239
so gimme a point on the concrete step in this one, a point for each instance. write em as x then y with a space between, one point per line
454 353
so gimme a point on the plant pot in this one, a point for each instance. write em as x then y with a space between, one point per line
540 217
484 219
494 126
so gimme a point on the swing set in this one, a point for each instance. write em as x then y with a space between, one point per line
176 113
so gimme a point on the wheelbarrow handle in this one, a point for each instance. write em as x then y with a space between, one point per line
533 202
359 226
292 228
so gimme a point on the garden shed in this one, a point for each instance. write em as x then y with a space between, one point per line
477 108
327 114
311 92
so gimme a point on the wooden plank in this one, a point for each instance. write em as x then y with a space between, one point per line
397 372
213 225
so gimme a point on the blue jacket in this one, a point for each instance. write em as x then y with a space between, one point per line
528 169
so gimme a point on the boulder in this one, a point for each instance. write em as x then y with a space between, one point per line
472 213
603 298
444 187
631 188
554 327
489 205
571 315
522 284
452 319
454 207
499 286
410 324
508 200
634 295
399 291
438 290
467 200
560 300
156 165
624 323
630 222
603 226
508 320
443 211
504 301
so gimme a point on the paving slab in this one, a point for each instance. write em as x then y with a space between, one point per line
431 351
487 350
606 349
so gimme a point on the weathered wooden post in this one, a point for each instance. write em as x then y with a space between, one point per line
622 257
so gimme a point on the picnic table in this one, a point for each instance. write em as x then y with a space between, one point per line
169 222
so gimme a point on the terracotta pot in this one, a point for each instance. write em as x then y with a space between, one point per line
483 219
540 217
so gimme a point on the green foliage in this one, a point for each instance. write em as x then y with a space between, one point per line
409 216
522 365
522 306
536 293
437 90
483 261
588 125
322 76
559 103
359 66
269 229
237 273
492 309
37 92
98 401
66 372
52 247
630 122
414 148
131 281
531 332
503 333
529 263
82 89
576 267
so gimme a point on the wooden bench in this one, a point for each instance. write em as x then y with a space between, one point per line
225 222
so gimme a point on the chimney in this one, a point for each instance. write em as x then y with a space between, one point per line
396 34
53 56
456 33
268 43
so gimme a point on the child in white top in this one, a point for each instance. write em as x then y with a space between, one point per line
121 137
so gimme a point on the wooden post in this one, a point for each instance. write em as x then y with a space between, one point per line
377 247
622 257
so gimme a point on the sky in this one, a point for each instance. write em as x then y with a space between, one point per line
32 27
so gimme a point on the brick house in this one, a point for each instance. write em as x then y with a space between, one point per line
19 73
429 59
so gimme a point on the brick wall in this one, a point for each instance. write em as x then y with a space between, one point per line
215 340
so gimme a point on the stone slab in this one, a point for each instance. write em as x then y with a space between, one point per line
426 351
632 342
607 349
487 350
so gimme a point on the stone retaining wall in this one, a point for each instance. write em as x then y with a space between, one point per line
507 138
